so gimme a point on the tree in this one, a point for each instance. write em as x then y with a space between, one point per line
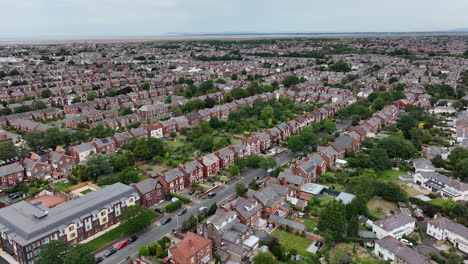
98 164
397 147
46 93
391 191
333 220
290 80
457 154
141 150
268 163
52 252
378 104
234 170
156 147
240 189
91 96
7 150
204 143
379 160
264 258
39 105
135 218
101 131
80 172
123 160
309 137
340 66
329 126
79 254
461 169
295 143
267 114
212 209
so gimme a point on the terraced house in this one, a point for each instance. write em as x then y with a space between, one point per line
25 226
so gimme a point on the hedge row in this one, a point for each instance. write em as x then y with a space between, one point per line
173 206
181 197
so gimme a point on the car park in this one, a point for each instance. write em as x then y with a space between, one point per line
110 251
182 211
166 220
132 239
122 244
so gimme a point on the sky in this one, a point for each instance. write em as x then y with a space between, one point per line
101 18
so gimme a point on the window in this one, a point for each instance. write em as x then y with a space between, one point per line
104 219
72 235
103 213
71 228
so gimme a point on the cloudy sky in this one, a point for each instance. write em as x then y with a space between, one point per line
32 18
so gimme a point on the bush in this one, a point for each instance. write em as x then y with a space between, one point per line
173 206
181 197
144 251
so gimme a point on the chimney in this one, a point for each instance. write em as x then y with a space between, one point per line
190 243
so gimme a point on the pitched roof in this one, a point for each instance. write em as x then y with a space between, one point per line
394 221
190 245
408 255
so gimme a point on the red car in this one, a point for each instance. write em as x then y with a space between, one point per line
122 244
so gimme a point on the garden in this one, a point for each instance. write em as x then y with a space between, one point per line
292 241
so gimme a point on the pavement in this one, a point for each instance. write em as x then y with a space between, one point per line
157 231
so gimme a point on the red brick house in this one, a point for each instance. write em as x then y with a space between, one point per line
226 156
212 164
193 249
11 174
106 145
172 181
150 191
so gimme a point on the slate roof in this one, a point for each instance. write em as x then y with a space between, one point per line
447 224
394 221
147 185
403 252
19 220
83 147
287 222
11 168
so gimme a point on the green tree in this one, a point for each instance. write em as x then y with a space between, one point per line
461 169
123 160
98 164
39 105
7 150
333 220
141 150
457 154
80 172
340 66
391 191
268 163
379 160
295 143
329 126
240 189
79 254
267 114
397 147
46 93
290 80
135 218
378 104
52 252
91 96
234 170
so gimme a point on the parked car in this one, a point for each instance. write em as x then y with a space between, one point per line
182 211
99 259
15 195
158 210
211 180
191 192
166 220
110 251
132 239
211 195
122 244
406 242
203 209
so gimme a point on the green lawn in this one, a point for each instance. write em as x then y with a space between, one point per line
309 223
439 202
109 237
175 144
291 241
142 177
390 175
86 191
62 185
326 198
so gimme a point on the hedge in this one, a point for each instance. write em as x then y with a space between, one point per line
173 206
181 197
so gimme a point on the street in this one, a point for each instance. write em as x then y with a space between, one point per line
156 231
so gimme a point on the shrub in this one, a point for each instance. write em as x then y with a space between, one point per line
173 206
181 197
143 251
